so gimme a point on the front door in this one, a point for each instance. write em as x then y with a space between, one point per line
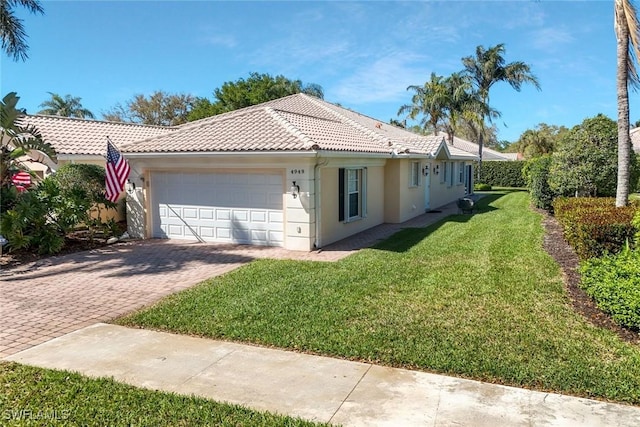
427 187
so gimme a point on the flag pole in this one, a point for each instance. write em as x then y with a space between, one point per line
133 169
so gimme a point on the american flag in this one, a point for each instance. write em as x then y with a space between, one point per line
22 180
117 172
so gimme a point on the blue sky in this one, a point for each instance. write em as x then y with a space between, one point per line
364 54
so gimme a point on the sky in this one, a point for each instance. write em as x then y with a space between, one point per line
364 54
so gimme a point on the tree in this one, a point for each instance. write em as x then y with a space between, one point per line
585 161
487 68
429 104
627 29
69 106
159 109
12 31
539 141
18 141
256 89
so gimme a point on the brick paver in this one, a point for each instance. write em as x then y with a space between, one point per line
54 296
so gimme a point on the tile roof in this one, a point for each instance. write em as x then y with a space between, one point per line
296 122
635 139
293 123
88 137
472 147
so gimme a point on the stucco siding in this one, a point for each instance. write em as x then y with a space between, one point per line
332 228
442 190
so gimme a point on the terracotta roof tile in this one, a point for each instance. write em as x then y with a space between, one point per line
472 147
296 122
293 123
88 137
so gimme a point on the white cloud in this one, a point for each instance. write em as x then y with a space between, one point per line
551 39
385 79
222 40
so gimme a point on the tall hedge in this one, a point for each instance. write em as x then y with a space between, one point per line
503 173
536 173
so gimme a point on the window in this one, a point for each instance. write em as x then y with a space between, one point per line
443 176
415 174
460 172
351 193
451 173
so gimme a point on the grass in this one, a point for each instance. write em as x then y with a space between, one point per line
34 396
472 296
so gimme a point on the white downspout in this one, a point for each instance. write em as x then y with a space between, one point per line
316 199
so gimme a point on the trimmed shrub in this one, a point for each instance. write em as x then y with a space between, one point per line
503 173
614 284
480 186
536 175
594 226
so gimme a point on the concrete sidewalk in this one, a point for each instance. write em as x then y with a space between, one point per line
312 387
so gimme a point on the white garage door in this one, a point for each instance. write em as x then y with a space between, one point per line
218 207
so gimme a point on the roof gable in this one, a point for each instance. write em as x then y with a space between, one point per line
296 122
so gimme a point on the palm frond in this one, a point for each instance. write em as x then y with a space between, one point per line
626 17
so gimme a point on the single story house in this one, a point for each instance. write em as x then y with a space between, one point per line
297 172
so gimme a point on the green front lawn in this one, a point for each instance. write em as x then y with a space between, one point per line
472 296
42 397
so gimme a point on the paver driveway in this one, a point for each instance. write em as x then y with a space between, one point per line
54 296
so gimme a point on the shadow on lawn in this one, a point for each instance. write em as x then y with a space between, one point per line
404 240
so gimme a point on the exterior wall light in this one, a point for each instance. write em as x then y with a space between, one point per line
436 169
425 170
295 190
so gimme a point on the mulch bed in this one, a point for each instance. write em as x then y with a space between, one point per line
556 246
72 244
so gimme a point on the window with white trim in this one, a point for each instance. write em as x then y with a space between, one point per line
352 193
415 174
443 173
460 172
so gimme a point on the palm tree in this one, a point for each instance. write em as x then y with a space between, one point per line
69 106
17 140
486 69
627 31
429 101
11 30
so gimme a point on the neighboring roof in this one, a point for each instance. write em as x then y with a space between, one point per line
635 139
71 136
471 147
293 123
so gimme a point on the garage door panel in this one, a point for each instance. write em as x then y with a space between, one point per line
223 214
240 215
223 232
258 216
206 213
190 213
225 207
276 217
